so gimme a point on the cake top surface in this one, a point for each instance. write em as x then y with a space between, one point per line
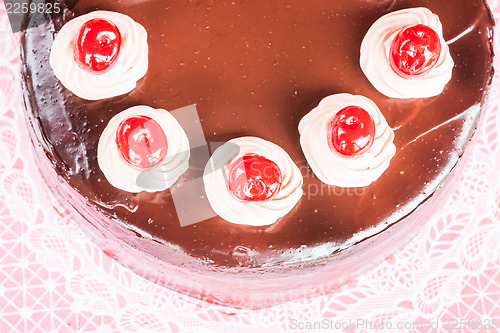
255 69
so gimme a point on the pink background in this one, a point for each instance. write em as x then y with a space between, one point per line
53 279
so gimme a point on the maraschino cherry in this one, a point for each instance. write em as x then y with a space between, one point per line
141 142
351 131
415 51
253 177
98 45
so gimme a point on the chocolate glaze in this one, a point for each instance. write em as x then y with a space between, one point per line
256 68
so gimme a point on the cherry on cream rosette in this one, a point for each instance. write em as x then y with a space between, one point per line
143 149
347 141
404 54
100 55
252 181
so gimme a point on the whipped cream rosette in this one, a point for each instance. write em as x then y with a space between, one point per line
347 141
143 149
404 55
100 55
252 181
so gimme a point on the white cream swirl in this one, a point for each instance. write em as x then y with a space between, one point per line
333 168
122 175
131 63
254 213
375 51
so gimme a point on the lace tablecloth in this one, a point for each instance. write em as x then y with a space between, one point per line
53 279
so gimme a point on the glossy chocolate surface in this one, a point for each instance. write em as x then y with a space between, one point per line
256 68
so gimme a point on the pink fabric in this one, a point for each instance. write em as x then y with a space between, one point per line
53 279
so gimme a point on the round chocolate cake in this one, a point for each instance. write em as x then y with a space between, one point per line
256 69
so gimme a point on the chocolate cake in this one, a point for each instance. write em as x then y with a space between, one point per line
255 69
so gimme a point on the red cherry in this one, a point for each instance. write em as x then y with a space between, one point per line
254 178
351 131
98 45
415 50
141 141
